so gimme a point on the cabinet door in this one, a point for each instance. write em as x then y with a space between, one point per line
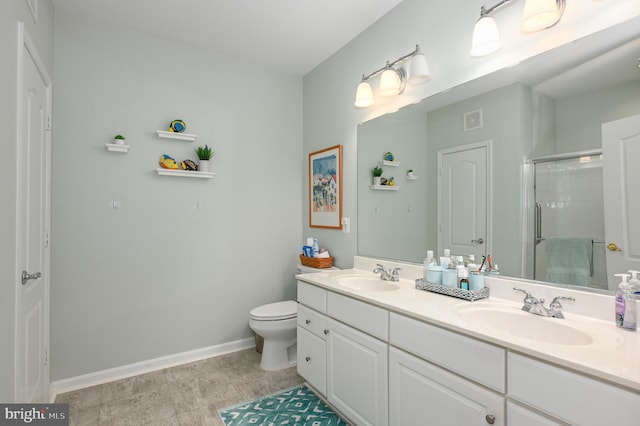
521 416
312 360
422 393
357 375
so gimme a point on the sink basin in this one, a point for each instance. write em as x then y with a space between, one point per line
517 323
366 283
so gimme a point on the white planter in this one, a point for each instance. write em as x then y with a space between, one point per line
203 165
118 141
376 180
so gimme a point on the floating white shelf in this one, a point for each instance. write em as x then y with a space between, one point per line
411 177
116 147
174 135
389 163
384 187
185 173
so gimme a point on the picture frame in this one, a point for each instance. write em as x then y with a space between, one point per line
325 188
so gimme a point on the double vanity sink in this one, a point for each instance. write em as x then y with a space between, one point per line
493 316
383 352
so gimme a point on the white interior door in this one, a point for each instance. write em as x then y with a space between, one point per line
621 175
464 183
32 295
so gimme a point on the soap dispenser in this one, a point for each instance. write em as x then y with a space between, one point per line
634 283
428 261
625 305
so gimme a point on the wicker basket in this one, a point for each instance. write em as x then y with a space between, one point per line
317 262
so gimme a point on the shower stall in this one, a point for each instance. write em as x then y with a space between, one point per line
567 211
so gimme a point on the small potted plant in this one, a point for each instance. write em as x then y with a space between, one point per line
204 155
377 172
410 174
118 139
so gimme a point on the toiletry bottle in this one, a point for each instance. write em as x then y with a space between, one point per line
428 261
625 305
634 283
445 259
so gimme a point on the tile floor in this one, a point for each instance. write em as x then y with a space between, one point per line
188 394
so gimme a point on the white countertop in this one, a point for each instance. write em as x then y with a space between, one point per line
614 354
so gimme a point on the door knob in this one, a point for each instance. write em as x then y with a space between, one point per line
613 247
307 321
26 276
490 418
479 241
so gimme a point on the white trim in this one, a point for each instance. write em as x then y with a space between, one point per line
142 367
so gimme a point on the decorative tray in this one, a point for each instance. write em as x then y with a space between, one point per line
470 295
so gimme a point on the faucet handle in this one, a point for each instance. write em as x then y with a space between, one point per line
395 271
528 299
555 303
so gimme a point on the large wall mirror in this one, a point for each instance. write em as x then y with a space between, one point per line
514 165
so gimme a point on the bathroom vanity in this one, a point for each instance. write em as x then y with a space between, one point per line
384 353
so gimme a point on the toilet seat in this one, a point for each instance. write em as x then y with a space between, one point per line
275 311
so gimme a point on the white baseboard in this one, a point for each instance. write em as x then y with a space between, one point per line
122 372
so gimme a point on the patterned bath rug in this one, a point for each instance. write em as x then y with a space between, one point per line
297 406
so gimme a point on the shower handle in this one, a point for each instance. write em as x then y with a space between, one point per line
538 223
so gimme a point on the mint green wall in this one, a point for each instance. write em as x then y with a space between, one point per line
14 11
159 276
579 118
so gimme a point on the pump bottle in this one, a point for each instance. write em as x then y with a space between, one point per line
625 305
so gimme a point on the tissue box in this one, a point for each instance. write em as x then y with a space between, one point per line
317 262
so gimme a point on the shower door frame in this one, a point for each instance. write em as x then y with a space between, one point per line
529 238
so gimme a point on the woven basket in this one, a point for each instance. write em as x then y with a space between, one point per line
317 262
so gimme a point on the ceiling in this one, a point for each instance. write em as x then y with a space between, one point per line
292 36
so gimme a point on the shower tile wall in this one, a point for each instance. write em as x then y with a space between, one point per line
571 196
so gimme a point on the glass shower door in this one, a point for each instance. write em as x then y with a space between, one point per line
569 221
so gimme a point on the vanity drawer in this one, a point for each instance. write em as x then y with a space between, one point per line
469 357
569 396
312 321
312 296
368 318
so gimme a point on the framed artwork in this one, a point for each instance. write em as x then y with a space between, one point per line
325 188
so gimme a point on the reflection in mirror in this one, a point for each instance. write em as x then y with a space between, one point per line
541 123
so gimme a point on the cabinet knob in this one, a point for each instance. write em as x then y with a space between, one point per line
326 331
308 358
490 418
307 321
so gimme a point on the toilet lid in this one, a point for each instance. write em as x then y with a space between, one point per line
275 311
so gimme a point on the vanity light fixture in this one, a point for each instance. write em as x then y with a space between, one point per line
394 78
538 15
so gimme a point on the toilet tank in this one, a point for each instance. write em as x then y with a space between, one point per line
302 269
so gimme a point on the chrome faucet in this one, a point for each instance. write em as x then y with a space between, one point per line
387 275
536 306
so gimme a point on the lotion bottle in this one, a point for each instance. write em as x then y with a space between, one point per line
625 305
428 261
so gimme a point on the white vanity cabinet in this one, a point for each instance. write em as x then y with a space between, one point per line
568 396
423 386
422 393
312 354
340 357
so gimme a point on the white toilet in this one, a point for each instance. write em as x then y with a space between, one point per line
276 323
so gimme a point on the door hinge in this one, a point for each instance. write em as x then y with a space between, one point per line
48 122
46 356
46 240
